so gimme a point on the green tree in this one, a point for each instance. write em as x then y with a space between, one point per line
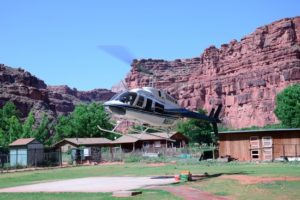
8 110
42 133
63 128
197 130
28 126
3 139
82 122
288 106
15 129
9 124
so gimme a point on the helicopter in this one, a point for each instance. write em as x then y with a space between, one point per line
150 105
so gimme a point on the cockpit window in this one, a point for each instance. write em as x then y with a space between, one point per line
127 97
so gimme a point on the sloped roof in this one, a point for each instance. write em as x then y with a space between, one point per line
164 134
261 131
125 139
22 142
86 141
132 138
146 136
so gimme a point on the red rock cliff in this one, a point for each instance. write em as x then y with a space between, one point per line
244 75
28 93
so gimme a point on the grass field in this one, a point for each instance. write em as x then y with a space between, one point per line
146 194
277 190
222 187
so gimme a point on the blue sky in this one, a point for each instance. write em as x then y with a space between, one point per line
58 41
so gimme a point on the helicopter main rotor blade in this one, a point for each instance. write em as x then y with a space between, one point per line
123 54
120 52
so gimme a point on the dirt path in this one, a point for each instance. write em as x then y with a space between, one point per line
244 179
189 193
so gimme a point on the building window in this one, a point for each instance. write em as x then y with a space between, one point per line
254 148
254 142
267 144
146 144
255 154
157 144
266 141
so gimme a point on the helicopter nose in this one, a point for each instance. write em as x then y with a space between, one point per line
107 103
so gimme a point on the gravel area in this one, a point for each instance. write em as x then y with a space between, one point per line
92 184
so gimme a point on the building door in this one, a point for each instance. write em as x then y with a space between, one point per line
267 150
254 148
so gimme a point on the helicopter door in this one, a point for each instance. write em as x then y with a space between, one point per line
140 101
148 105
159 108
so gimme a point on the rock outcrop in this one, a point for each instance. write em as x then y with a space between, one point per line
64 98
28 93
245 76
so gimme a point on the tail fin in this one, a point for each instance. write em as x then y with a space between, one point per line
215 116
217 113
212 112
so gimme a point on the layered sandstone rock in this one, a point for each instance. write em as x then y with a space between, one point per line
244 76
30 93
64 98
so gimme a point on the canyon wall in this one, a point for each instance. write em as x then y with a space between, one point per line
28 93
245 76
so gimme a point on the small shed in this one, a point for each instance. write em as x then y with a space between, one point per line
82 149
26 152
260 145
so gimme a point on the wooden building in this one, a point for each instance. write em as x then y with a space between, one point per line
151 142
260 145
81 149
26 152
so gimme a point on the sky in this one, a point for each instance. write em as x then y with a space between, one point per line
58 40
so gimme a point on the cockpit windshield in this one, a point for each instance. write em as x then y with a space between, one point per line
127 97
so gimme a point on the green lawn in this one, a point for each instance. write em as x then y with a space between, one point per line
146 194
277 190
264 191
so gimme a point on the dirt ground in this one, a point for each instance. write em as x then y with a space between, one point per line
92 184
156 164
189 193
244 179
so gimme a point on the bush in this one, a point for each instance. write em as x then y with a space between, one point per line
133 158
288 106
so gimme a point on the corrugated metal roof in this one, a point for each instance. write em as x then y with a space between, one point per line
87 141
260 131
22 142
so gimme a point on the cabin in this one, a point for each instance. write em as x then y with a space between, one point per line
151 142
26 152
81 150
260 145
